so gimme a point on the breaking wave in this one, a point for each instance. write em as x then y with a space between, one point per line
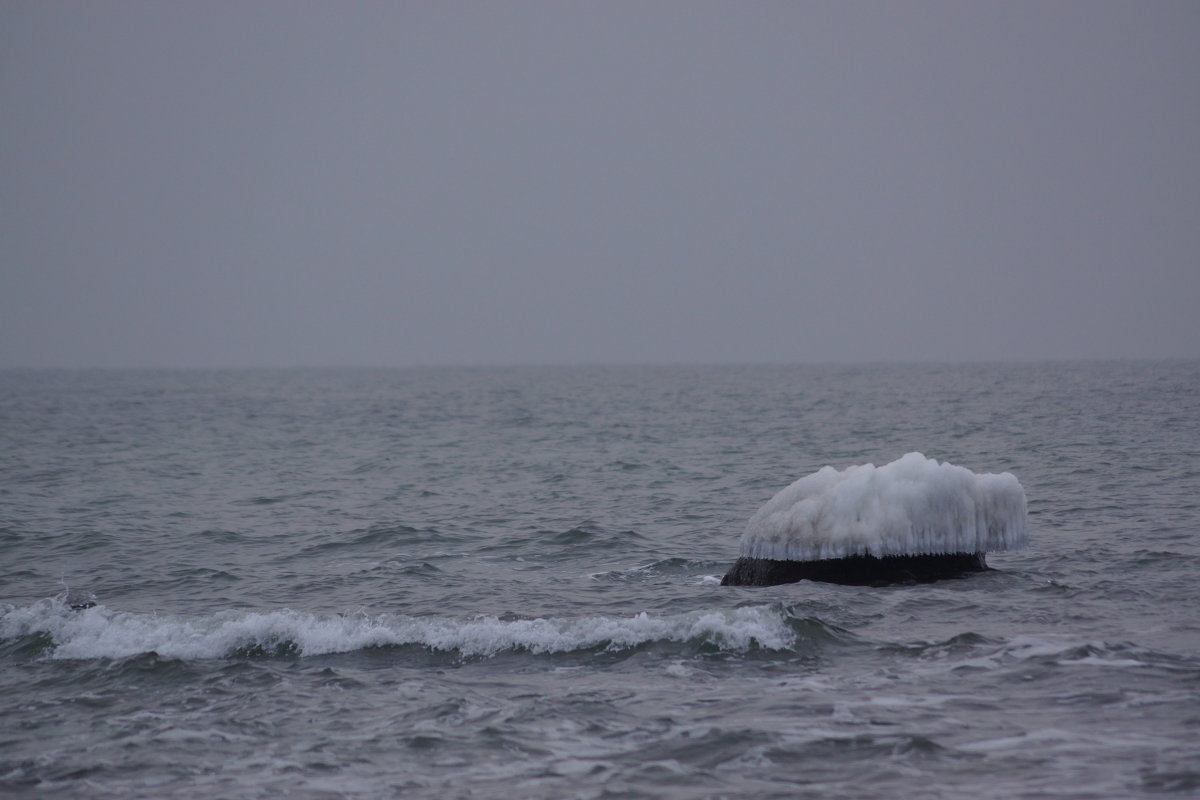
100 632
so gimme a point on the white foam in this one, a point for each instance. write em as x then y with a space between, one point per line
101 633
912 506
1057 739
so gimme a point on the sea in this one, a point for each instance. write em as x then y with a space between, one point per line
505 583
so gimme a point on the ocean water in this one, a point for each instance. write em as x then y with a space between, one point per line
444 583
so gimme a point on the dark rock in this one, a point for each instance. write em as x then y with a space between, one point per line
855 570
78 600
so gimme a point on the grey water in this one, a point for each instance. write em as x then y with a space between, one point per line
440 583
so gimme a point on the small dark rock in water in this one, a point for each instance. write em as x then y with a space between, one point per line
854 570
79 600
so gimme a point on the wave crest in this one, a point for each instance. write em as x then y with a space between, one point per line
103 633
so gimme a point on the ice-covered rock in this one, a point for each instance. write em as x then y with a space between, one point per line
915 518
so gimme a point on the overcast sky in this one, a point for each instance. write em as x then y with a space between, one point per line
290 183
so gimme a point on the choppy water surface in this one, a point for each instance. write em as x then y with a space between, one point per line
504 583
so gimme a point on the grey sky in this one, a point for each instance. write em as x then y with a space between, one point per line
279 183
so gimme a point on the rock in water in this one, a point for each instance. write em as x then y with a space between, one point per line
914 519
79 599
855 570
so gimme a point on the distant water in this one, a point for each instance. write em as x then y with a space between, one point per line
443 583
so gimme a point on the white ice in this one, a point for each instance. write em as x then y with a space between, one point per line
912 506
